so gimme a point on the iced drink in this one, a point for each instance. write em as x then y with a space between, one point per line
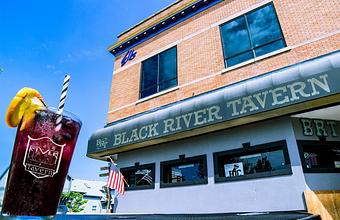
40 162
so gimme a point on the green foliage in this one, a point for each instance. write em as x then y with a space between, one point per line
73 201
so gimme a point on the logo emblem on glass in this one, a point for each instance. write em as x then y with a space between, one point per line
42 157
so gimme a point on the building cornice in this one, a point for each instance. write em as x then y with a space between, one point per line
179 15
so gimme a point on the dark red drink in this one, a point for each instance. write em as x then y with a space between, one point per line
40 162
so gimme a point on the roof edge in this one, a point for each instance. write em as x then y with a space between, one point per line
136 36
148 18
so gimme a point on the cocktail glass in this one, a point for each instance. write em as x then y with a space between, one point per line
41 157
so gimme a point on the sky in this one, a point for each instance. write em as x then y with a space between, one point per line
41 41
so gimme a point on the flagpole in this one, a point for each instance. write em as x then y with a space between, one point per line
126 182
108 207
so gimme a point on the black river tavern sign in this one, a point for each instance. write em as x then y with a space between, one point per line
264 100
295 84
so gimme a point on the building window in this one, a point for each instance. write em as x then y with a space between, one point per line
184 171
252 162
320 157
94 208
159 73
139 176
251 35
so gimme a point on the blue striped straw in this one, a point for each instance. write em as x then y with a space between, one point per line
62 101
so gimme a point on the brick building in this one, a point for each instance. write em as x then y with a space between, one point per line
226 106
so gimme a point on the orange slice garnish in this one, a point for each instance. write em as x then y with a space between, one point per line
23 106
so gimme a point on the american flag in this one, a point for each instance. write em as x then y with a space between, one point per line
116 180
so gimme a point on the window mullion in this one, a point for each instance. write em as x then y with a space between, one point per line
142 82
158 77
269 42
249 35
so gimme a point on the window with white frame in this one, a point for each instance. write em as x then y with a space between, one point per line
159 73
251 35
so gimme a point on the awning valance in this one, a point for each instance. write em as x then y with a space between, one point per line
309 84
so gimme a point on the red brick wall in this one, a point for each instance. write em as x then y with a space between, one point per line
310 27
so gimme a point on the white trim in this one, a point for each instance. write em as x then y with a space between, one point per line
256 59
146 98
157 94
321 37
201 79
282 50
238 65
121 107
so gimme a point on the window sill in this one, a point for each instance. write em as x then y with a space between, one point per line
321 170
276 173
157 94
285 49
132 188
188 183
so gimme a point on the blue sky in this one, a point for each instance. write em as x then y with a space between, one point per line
41 40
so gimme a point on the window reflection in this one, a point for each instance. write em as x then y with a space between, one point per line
240 58
187 172
139 177
259 161
269 47
167 65
149 72
321 157
251 35
235 36
252 163
159 73
263 26
184 171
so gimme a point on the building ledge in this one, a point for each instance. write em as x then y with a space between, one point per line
265 56
157 94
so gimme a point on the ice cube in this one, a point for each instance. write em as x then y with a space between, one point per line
67 137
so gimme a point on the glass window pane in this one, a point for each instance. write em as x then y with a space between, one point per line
263 25
148 92
149 72
143 177
235 37
322 156
269 48
168 84
251 163
240 58
186 172
168 65
136 177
